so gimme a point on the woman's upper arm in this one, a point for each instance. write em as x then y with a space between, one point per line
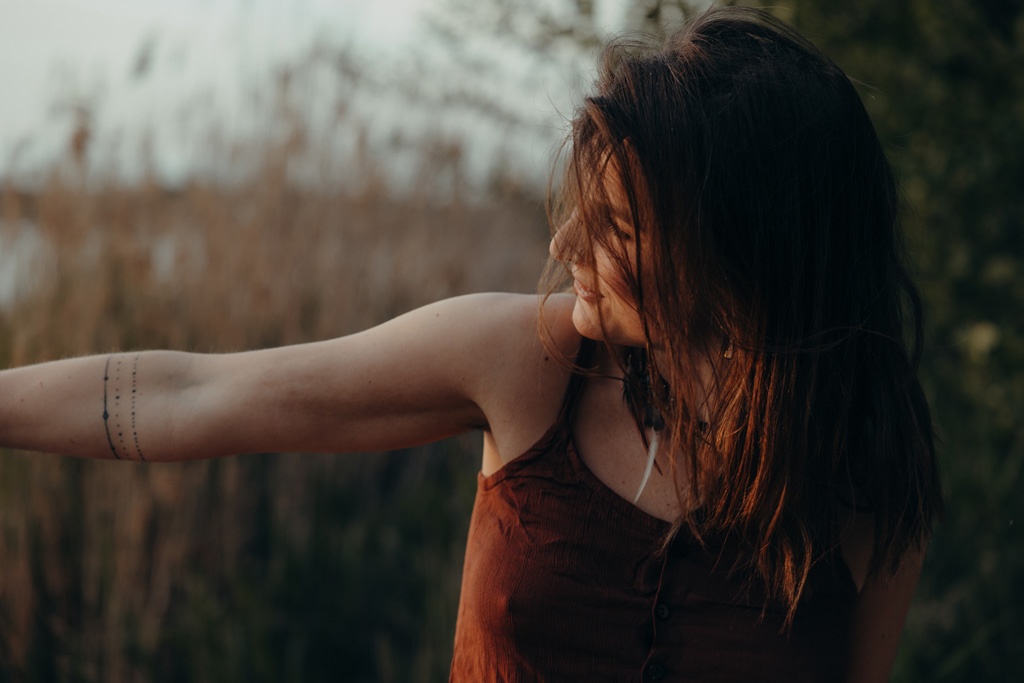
881 609
419 377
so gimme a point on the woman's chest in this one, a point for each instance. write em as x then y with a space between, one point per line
613 448
566 577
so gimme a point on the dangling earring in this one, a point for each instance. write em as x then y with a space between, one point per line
729 350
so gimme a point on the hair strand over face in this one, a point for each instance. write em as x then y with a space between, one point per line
770 220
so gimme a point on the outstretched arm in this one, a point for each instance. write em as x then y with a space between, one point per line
420 377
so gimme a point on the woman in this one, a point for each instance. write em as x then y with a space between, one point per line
713 461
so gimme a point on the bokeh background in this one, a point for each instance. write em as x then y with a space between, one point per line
215 176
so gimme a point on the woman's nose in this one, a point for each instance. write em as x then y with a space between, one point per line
555 246
559 247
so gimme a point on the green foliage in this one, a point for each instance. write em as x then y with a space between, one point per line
357 580
354 599
944 83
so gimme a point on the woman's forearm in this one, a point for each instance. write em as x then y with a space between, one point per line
119 406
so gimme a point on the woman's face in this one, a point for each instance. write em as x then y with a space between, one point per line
605 306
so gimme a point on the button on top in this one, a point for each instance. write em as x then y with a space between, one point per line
662 611
655 671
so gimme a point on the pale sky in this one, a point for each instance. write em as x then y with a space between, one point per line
57 53
206 55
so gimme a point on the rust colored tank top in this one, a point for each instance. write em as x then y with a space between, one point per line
563 581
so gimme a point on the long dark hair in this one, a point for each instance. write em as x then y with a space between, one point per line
769 232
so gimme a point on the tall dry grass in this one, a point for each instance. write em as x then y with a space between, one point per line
267 567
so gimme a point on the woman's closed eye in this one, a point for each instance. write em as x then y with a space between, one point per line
624 234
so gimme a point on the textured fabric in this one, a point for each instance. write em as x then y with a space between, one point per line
563 581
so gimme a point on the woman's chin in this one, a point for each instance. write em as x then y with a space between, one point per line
586 321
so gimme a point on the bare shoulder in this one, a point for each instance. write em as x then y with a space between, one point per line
510 348
504 329
528 324
529 351
523 339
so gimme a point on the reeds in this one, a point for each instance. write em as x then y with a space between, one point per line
268 567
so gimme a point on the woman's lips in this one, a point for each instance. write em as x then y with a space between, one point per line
585 293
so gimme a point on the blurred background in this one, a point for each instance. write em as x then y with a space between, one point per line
220 175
